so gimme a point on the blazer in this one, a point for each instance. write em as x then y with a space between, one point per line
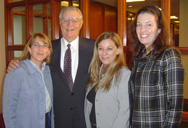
111 108
24 97
156 90
69 106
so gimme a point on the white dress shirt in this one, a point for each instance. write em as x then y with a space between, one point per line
74 55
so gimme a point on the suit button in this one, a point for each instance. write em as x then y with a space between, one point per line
72 94
71 108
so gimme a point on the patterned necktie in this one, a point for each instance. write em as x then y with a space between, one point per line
67 67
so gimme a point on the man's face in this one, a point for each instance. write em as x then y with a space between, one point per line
70 24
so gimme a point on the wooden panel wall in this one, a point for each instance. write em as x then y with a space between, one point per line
102 18
110 19
96 20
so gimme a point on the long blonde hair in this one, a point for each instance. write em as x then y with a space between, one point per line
44 38
113 68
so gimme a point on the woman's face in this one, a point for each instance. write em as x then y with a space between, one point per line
147 29
107 51
38 51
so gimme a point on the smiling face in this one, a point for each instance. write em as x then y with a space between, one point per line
38 52
146 29
107 51
70 24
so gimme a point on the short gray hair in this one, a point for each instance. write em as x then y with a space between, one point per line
70 8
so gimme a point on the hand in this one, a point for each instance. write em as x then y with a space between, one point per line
13 64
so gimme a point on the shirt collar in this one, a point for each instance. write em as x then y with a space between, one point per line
36 66
74 43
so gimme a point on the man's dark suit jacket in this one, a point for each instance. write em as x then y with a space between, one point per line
69 106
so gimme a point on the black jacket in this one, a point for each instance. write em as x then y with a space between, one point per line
69 106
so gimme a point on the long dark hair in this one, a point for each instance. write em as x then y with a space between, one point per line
161 42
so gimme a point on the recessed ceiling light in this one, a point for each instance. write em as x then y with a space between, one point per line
173 17
65 3
176 21
134 0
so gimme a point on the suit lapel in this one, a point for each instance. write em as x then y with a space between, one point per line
56 56
82 65
55 66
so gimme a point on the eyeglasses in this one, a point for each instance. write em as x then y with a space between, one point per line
74 20
37 45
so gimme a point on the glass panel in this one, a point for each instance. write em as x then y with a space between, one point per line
130 18
19 27
40 17
49 9
38 9
174 30
174 21
49 28
17 54
38 24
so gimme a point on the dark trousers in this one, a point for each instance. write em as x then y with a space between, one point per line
48 119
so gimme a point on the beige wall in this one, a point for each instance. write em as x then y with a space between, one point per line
185 65
2 51
184 40
183 23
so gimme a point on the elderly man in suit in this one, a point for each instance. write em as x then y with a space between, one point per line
69 101
69 86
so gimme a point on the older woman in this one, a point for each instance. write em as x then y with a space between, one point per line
107 100
157 78
28 93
